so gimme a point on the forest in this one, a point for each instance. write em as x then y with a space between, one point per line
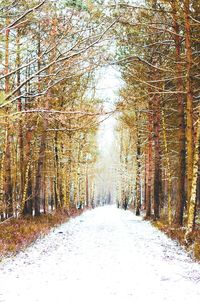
50 113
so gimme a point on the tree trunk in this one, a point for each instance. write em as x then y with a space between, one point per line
7 177
189 107
169 177
2 199
56 184
157 162
138 173
86 186
149 163
20 133
38 180
192 203
27 201
181 120
7 165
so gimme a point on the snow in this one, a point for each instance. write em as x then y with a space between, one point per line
106 254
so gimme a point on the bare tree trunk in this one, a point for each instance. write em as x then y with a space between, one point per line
145 178
181 121
192 203
7 177
169 177
38 180
20 133
138 173
27 201
149 163
189 107
7 165
56 178
2 197
157 161
86 186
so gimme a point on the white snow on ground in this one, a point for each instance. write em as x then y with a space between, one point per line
106 254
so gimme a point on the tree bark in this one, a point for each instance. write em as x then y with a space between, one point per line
7 165
181 120
149 163
28 191
192 203
169 177
138 176
56 184
189 107
157 163
20 134
38 180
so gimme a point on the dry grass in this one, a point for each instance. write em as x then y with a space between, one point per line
17 234
178 233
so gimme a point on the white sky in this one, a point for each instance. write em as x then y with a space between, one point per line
108 85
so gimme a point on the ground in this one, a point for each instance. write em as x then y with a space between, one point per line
105 254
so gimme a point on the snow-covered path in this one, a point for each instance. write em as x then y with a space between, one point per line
106 254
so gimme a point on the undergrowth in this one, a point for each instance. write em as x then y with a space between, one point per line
178 234
17 234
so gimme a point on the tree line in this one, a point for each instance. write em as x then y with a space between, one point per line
49 53
159 124
49 113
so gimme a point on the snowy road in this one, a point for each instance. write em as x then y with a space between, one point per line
104 255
